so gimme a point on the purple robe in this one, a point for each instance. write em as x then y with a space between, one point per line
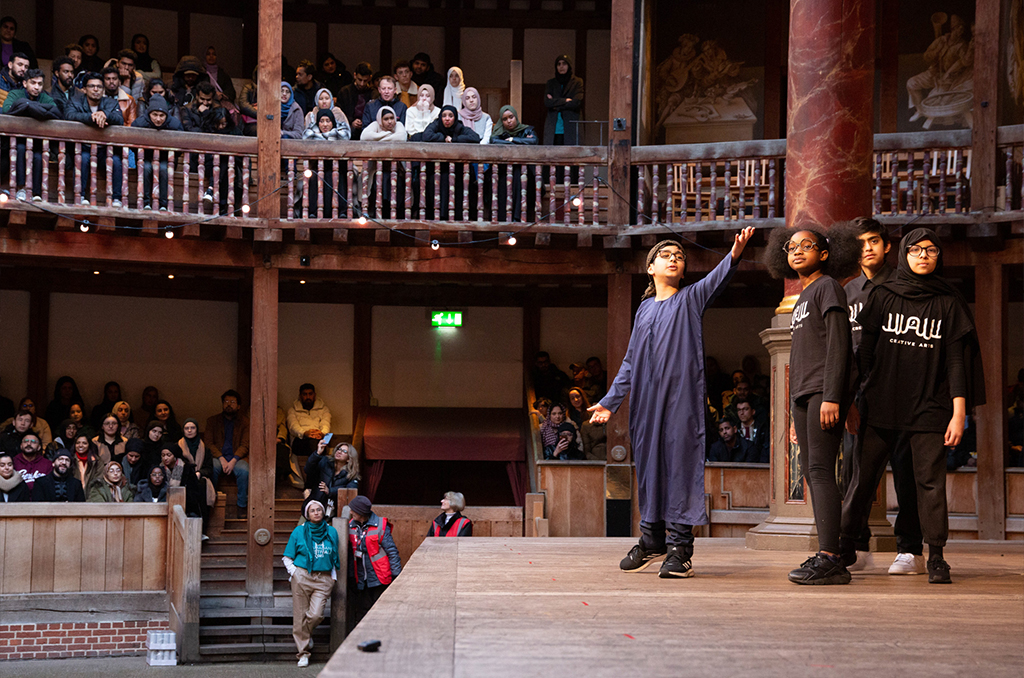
663 372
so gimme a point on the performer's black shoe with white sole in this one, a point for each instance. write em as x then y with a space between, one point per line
639 557
819 569
674 565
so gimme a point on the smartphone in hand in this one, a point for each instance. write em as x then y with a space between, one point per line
327 438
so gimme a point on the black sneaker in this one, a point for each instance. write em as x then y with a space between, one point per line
638 558
820 570
674 566
938 571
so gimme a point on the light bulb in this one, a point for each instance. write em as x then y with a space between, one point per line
3 196
362 221
511 240
576 202
308 173
170 277
434 245
245 209
302 282
84 228
168 234
95 272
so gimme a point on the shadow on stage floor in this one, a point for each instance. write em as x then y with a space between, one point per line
561 607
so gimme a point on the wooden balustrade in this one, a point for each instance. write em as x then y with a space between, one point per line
183 577
1010 165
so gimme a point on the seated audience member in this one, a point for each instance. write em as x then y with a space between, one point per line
193 113
65 438
327 473
86 466
473 115
541 409
187 76
750 430
91 61
420 115
306 86
164 413
511 130
324 99
386 127
333 74
39 426
111 397
742 390
449 129
30 460
123 412
405 89
30 101
247 103
597 379
549 429
158 118
759 383
291 114
63 88
60 485
309 419
388 97
353 99
132 464
10 45
65 394
219 78
731 446
109 443
454 88
77 415
451 522
219 120
193 450
595 441
180 473
20 425
578 404
227 438
112 487
12 74
368 579
74 51
153 489
423 73
13 487
326 128
145 64
131 80
717 381
100 111
144 412
152 443
548 380
567 446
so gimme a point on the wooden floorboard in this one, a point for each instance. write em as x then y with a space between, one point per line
561 607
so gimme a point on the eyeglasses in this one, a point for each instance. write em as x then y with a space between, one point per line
672 256
804 246
920 252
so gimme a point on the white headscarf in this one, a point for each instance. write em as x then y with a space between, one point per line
453 95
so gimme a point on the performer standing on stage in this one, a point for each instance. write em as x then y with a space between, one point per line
663 372
920 356
820 360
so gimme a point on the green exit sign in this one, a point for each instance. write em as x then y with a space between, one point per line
446 318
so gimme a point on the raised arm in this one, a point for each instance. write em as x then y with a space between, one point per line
705 291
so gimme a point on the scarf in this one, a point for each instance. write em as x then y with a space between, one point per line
425 106
380 118
193 447
471 116
453 95
314 532
286 106
8 484
316 99
500 132
116 490
563 79
912 286
172 475
212 72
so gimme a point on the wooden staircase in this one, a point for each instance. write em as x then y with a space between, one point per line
228 630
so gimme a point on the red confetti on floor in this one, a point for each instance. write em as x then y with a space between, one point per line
586 603
629 636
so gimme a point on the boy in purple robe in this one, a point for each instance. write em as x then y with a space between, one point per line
663 371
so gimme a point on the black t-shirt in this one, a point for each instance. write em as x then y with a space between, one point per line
857 292
813 337
912 355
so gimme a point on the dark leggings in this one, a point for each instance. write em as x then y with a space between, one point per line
819 450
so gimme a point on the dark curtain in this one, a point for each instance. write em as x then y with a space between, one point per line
374 472
519 480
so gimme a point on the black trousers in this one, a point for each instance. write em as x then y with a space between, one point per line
37 165
928 458
819 450
364 599
655 536
113 183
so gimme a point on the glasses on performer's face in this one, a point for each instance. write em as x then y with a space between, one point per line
919 252
672 256
803 246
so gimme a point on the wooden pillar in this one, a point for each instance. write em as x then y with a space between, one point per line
776 20
515 85
116 28
45 49
38 347
991 293
262 438
620 325
243 355
268 124
987 45
531 336
620 107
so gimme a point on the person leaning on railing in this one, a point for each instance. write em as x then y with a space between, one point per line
157 118
96 110
30 101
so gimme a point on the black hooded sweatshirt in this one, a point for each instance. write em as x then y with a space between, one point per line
459 133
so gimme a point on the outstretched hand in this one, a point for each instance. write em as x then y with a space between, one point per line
742 238
601 414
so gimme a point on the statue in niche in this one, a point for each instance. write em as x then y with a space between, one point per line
699 84
944 93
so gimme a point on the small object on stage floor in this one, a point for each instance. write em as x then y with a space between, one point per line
369 645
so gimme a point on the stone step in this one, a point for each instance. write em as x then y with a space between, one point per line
274 630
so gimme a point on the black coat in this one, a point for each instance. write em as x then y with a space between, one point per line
570 110
77 110
460 134
18 494
45 489
10 440
145 493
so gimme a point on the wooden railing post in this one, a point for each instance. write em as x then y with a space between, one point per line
339 595
184 537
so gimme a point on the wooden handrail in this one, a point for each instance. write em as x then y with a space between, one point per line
184 537
419 151
1010 134
82 510
727 149
905 141
134 137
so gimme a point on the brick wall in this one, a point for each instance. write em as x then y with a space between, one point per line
80 639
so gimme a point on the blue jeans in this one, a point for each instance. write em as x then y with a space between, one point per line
241 473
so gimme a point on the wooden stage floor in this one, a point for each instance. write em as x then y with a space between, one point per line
561 607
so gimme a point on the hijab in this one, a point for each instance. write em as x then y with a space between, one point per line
563 79
63 432
453 95
380 117
456 127
499 129
143 60
195 446
286 106
471 116
326 113
116 491
316 99
429 104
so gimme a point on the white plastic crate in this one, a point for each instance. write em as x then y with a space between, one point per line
161 648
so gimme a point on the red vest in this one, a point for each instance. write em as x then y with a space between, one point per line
378 558
453 531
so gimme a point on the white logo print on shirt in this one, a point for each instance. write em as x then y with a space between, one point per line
900 325
855 310
799 315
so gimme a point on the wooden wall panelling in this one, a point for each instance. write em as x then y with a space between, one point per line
43 535
409 524
115 555
575 498
154 570
134 535
1015 494
17 558
94 549
67 558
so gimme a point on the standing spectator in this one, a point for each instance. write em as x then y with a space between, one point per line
424 112
751 431
109 443
309 419
451 522
112 488
327 474
291 114
85 463
313 563
227 438
219 78
333 74
352 99
306 86
30 101
13 487
454 88
563 97
407 89
60 485
113 89
123 412
30 460
9 45
131 80
388 98
730 446
374 556
187 75
145 64
63 88
474 116
65 394
193 450
548 380
423 73
12 74
91 61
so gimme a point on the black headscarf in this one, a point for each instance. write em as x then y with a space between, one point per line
563 79
143 61
912 286
456 127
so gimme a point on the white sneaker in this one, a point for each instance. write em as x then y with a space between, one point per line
85 202
865 561
37 198
115 203
21 195
303 661
908 563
